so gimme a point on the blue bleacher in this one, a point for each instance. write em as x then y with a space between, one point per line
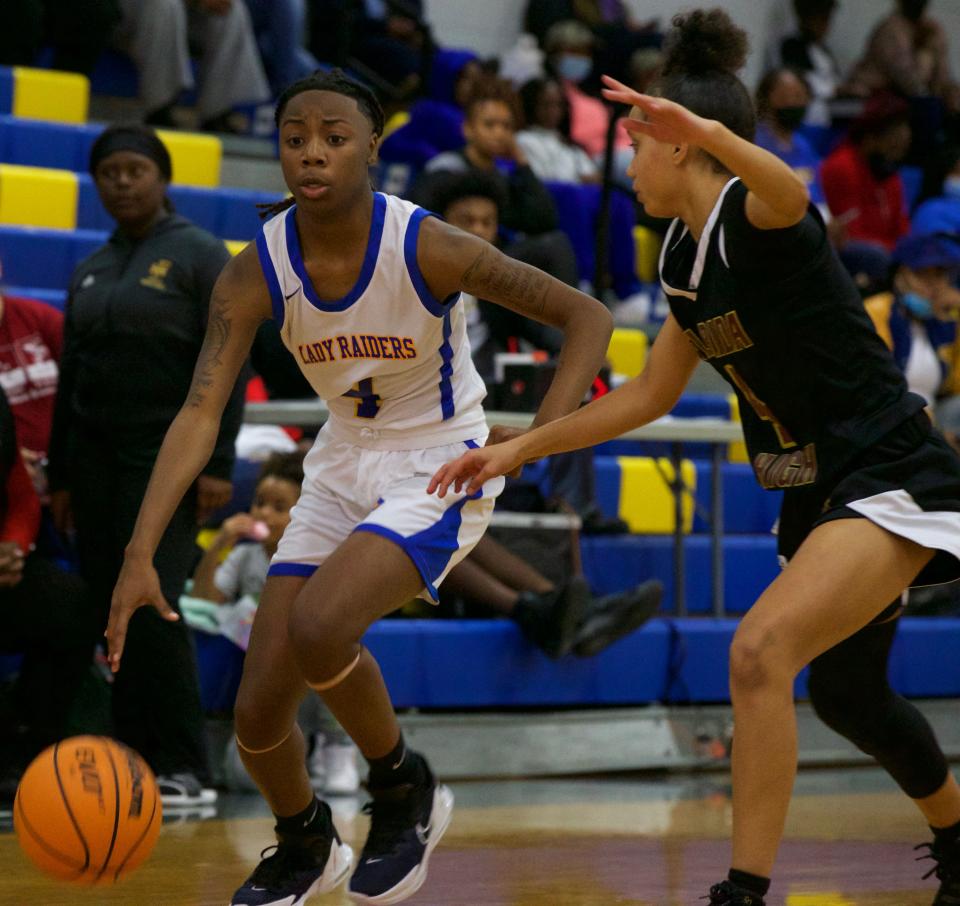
487 663
45 258
615 562
38 143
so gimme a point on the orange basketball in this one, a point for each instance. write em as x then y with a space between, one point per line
87 810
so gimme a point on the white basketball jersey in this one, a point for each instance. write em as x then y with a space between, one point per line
391 361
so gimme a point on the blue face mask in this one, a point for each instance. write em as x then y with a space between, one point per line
573 67
918 306
951 186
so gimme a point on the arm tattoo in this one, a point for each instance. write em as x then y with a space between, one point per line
502 280
211 353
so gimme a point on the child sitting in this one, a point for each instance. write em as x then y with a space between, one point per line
332 760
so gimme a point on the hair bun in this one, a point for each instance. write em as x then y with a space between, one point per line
705 41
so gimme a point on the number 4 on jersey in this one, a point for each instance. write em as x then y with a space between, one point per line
368 403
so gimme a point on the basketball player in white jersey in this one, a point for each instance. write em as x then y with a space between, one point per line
366 288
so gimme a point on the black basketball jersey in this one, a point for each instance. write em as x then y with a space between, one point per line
775 313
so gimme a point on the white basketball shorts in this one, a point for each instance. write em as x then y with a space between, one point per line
349 489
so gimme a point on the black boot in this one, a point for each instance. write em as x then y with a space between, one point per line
551 620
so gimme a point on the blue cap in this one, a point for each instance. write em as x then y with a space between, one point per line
928 250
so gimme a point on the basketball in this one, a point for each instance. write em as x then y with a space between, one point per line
87 811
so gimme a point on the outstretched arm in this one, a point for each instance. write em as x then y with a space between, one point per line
452 260
778 197
642 400
239 303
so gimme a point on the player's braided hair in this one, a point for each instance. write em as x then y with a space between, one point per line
336 81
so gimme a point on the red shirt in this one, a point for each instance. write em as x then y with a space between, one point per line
31 341
876 210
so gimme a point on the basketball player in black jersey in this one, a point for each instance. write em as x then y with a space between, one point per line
872 492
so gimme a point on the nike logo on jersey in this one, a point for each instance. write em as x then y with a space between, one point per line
288 298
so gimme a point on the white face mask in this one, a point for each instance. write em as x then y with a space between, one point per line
951 186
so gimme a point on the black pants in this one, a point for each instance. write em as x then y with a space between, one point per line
47 618
156 700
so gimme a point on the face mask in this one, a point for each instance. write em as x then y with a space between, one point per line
790 117
573 67
881 167
951 186
918 306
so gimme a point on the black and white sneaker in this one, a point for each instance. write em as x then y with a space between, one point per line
946 866
406 824
300 866
184 791
728 894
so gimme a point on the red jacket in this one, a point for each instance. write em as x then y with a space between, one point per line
31 341
876 210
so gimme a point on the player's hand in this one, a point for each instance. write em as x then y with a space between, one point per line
501 434
137 585
475 467
664 121
11 564
212 494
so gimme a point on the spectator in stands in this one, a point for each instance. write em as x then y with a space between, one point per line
280 27
806 52
782 100
907 53
31 341
135 319
78 31
917 319
492 148
392 40
489 127
472 202
570 47
157 34
44 614
546 141
938 207
333 760
860 180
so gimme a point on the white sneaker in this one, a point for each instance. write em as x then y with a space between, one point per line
342 776
184 790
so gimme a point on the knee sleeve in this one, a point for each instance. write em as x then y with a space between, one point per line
850 694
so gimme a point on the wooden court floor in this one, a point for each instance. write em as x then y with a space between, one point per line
614 842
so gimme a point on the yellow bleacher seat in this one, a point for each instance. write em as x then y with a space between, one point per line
648 253
397 121
45 94
627 351
36 197
646 501
737 451
235 246
196 158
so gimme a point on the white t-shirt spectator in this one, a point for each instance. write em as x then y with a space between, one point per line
553 159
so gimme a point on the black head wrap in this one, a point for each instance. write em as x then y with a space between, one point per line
139 139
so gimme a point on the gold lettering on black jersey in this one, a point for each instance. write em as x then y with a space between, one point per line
786 470
720 336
